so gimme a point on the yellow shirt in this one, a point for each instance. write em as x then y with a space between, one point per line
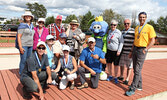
143 39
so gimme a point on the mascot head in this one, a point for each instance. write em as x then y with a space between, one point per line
99 27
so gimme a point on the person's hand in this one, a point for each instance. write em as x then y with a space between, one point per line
68 71
49 80
92 72
95 56
22 51
130 55
118 53
41 96
74 36
145 50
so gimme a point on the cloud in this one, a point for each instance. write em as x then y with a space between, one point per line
154 8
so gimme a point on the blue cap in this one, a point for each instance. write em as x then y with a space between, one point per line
62 35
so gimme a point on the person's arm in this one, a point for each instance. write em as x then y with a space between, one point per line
103 61
68 30
86 67
121 41
19 43
152 41
49 80
75 65
58 67
36 79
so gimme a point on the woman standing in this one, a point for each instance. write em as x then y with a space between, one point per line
69 66
75 39
114 47
40 32
25 35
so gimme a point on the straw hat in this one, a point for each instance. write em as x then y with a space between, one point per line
74 22
27 13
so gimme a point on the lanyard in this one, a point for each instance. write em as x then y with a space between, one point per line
126 32
66 65
38 32
39 63
58 28
139 30
50 51
111 34
30 26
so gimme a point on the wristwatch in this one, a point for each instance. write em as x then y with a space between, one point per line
145 50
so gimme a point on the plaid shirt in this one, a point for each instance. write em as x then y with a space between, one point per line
55 30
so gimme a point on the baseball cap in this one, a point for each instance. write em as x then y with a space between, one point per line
41 19
66 47
49 37
63 35
41 43
91 39
59 17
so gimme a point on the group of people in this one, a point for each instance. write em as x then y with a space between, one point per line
54 55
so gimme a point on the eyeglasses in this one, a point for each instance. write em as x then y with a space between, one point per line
113 24
41 22
51 39
126 23
41 48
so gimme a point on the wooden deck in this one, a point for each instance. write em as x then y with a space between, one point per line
154 81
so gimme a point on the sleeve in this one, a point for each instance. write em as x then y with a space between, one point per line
20 31
102 54
82 56
31 64
121 40
152 33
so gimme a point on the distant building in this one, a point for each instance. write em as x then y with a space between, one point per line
2 20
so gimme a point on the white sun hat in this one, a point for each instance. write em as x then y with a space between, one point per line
41 19
27 13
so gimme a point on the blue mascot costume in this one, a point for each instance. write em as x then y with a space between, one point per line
99 29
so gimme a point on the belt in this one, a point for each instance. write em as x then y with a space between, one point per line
140 47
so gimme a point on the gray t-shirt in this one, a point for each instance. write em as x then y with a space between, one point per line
32 64
27 36
115 41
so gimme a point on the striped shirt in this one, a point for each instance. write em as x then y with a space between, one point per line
128 40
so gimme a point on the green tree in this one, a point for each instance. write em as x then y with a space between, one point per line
49 20
151 22
162 24
109 14
70 18
84 22
38 10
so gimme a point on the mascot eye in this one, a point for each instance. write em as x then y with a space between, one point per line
97 27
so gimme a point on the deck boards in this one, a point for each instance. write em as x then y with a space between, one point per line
153 74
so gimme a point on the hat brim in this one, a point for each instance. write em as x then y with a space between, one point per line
74 23
27 15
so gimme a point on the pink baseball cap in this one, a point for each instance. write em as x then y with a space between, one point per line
59 17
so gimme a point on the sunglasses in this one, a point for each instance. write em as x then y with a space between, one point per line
113 24
41 48
41 22
126 23
51 39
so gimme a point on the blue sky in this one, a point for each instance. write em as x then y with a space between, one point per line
154 8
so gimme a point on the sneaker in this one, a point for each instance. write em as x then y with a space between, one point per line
26 95
140 89
54 82
129 92
72 87
109 78
125 82
121 78
116 80
85 85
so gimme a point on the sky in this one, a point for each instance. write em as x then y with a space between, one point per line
153 8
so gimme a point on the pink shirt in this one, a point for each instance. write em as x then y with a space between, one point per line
36 36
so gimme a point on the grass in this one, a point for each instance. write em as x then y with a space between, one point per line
6 41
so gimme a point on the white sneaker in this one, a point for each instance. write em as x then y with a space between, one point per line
140 89
54 82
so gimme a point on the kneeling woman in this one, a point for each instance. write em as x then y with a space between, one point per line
69 66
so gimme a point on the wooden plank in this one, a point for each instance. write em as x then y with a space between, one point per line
84 94
52 94
3 92
10 89
16 85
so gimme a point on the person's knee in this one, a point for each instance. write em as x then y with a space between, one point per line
54 75
94 86
34 88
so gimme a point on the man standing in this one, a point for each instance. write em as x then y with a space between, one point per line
56 28
144 39
91 60
36 73
128 36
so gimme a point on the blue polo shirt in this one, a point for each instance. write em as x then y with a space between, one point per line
94 64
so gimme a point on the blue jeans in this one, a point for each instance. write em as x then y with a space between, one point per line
23 57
